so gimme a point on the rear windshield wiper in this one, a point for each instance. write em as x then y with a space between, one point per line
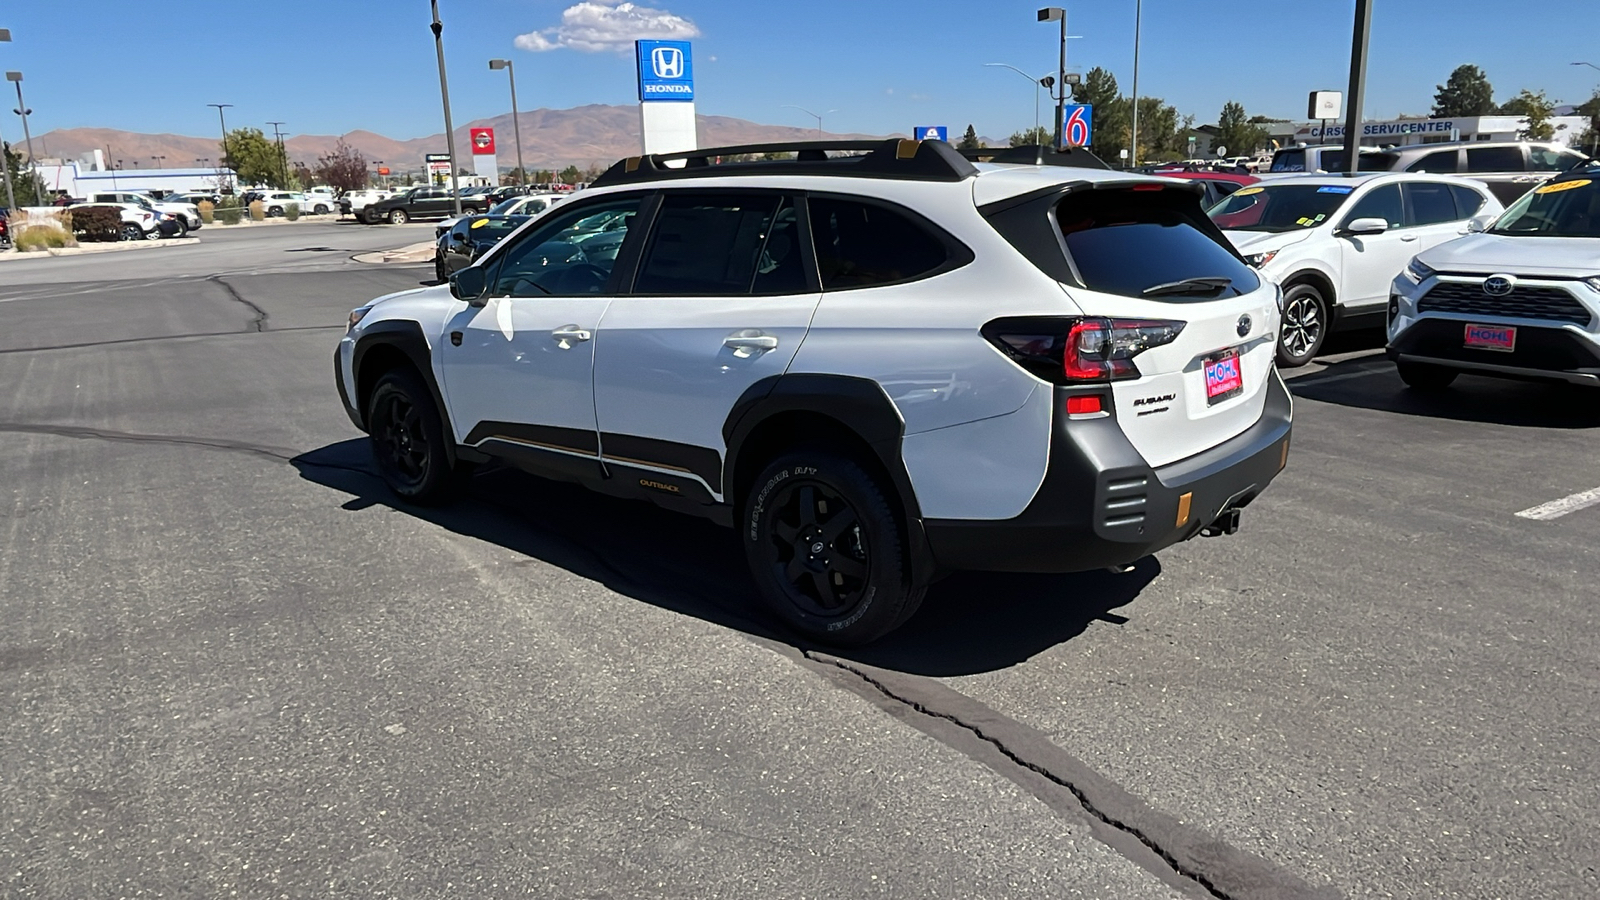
1203 285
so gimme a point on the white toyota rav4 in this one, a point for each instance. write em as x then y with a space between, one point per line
879 367
1521 300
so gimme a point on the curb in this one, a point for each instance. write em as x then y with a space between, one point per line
411 253
119 247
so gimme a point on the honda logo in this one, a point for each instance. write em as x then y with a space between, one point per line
667 62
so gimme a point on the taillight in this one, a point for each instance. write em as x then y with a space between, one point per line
1079 351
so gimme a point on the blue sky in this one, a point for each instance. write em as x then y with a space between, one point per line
331 66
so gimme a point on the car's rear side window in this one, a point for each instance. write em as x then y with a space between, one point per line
1468 201
706 244
1495 159
1429 203
1131 242
1440 162
865 244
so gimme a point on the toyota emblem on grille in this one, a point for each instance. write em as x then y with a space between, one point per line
1244 325
1498 285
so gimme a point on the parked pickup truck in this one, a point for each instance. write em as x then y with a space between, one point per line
419 203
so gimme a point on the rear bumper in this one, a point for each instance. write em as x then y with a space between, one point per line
1101 505
1542 352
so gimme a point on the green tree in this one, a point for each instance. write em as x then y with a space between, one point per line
1537 108
1589 140
27 188
256 158
1236 132
969 141
1466 92
1112 122
570 175
1163 134
1040 135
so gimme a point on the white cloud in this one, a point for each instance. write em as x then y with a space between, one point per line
594 26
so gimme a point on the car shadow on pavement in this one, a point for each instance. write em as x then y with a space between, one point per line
971 622
1372 382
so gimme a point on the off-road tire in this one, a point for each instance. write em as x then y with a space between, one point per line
409 440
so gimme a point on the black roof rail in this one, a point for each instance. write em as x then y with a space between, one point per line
1035 155
898 159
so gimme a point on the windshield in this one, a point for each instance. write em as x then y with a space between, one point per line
1279 207
505 206
494 229
1563 209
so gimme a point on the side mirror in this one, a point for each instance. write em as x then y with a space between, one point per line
469 284
1368 225
1478 224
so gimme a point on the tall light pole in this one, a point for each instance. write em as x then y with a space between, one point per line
1133 149
5 165
226 156
1058 14
516 127
1046 81
444 93
23 111
812 115
1358 87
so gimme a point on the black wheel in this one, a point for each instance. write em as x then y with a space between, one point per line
371 217
826 549
183 227
320 210
132 232
408 439
1305 325
398 217
274 212
1424 377
439 273
469 210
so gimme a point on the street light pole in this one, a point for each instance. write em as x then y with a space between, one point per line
444 93
5 163
1358 86
1037 83
1059 14
812 115
283 158
1133 149
516 127
226 156
27 137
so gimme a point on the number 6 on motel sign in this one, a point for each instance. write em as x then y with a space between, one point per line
1077 125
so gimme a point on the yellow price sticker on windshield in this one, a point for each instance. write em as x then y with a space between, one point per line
1563 186
1303 221
479 224
1245 192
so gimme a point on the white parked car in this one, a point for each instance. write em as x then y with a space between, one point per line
354 202
139 221
1520 299
186 214
277 203
878 368
1335 242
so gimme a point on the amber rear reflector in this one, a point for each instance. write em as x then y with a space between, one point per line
1183 508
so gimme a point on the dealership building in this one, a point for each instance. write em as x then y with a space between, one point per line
1405 132
90 174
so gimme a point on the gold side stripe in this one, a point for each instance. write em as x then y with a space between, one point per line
542 446
642 462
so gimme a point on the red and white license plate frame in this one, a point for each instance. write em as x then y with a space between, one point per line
1224 375
1499 338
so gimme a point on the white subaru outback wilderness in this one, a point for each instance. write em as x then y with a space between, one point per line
879 367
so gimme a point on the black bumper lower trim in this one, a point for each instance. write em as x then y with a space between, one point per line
1101 505
344 397
1541 351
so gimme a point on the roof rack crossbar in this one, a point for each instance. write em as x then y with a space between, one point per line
893 158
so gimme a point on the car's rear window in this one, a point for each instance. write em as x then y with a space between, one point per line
1147 244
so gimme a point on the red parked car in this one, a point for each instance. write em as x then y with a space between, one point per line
1217 184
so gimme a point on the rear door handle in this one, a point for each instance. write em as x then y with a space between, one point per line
567 335
750 342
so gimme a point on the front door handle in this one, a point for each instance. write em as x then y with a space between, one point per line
567 335
750 342
1408 238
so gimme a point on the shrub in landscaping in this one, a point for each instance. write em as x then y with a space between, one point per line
96 223
292 212
258 211
41 237
207 212
228 211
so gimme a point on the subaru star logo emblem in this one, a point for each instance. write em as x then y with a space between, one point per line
667 62
1499 285
1244 325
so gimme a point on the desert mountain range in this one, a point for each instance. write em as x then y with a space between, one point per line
551 139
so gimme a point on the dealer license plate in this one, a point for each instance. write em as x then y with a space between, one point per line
1224 378
1492 337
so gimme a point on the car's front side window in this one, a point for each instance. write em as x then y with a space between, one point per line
565 255
1382 202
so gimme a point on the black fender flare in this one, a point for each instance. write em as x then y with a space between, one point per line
859 404
407 337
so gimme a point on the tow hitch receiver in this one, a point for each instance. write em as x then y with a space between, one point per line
1227 523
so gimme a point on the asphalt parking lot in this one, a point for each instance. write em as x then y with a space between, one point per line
233 665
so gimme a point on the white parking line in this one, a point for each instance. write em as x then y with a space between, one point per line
1555 509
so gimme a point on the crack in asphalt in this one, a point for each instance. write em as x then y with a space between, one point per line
1263 883
264 451
260 322
165 337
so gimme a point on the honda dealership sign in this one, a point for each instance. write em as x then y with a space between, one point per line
666 96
